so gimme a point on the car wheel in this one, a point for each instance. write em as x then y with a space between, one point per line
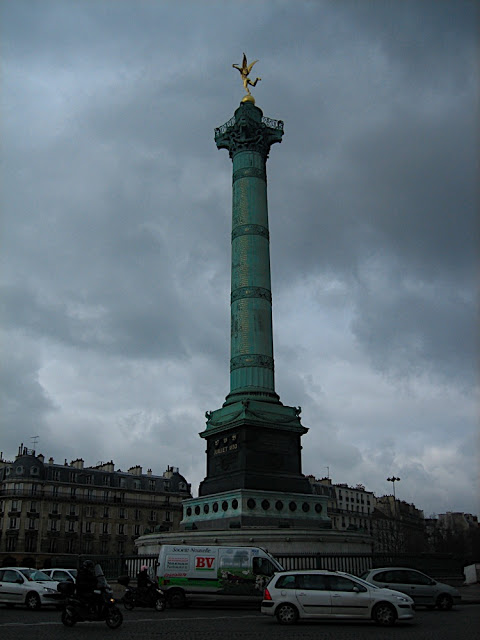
32 601
286 614
177 599
384 614
444 602
160 604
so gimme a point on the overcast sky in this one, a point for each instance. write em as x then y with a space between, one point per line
116 219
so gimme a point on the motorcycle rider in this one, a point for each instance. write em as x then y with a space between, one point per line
86 584
144 583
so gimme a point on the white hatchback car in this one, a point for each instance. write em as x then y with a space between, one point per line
61 575
293 595
30 587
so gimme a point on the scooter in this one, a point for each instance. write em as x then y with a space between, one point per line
100 608
152 597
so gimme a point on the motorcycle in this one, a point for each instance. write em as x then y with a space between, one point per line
152 597
100 608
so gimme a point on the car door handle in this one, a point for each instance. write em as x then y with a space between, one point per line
336 595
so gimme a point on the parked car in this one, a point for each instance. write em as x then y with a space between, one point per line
61 574
423 589
293 595
33 588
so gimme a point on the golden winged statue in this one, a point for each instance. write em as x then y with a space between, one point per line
244 72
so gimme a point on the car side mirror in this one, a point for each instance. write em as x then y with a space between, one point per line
356 589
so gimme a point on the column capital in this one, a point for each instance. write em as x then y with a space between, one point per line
249 130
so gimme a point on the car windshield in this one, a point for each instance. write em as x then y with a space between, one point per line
33 574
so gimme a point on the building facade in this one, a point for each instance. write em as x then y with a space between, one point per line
349 508
49 509
397 526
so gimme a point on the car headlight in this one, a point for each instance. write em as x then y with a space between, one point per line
402 599
48 590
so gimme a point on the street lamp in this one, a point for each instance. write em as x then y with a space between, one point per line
393 479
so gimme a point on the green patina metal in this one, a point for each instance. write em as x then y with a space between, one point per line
248 137
253 440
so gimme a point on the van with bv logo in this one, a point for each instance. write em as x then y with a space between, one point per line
214 573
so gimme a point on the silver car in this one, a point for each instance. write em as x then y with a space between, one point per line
29 587
60 575
424 590
294 595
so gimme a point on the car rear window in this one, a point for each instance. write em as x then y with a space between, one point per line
286 582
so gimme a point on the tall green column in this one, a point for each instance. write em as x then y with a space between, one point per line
248 138
253 440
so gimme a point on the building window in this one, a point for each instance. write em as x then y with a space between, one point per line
137 530
53 545
105 527
88 527
121 529
31 523
15 504
33 507
71 545
73 492
55 492
105 512
90 494
11 543
105 496
30 543
120 547
153 516
87 546
168 515
103 547
151 485
55 507
122 512
138 514
73 476
89 512
73 510
71 526
13 523
56 475
53 525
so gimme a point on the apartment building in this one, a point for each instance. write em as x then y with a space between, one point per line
49 509
350 508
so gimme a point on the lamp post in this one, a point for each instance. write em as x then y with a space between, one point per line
394 479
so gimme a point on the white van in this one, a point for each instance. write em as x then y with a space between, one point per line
214 573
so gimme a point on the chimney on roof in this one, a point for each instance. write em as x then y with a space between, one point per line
136 471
